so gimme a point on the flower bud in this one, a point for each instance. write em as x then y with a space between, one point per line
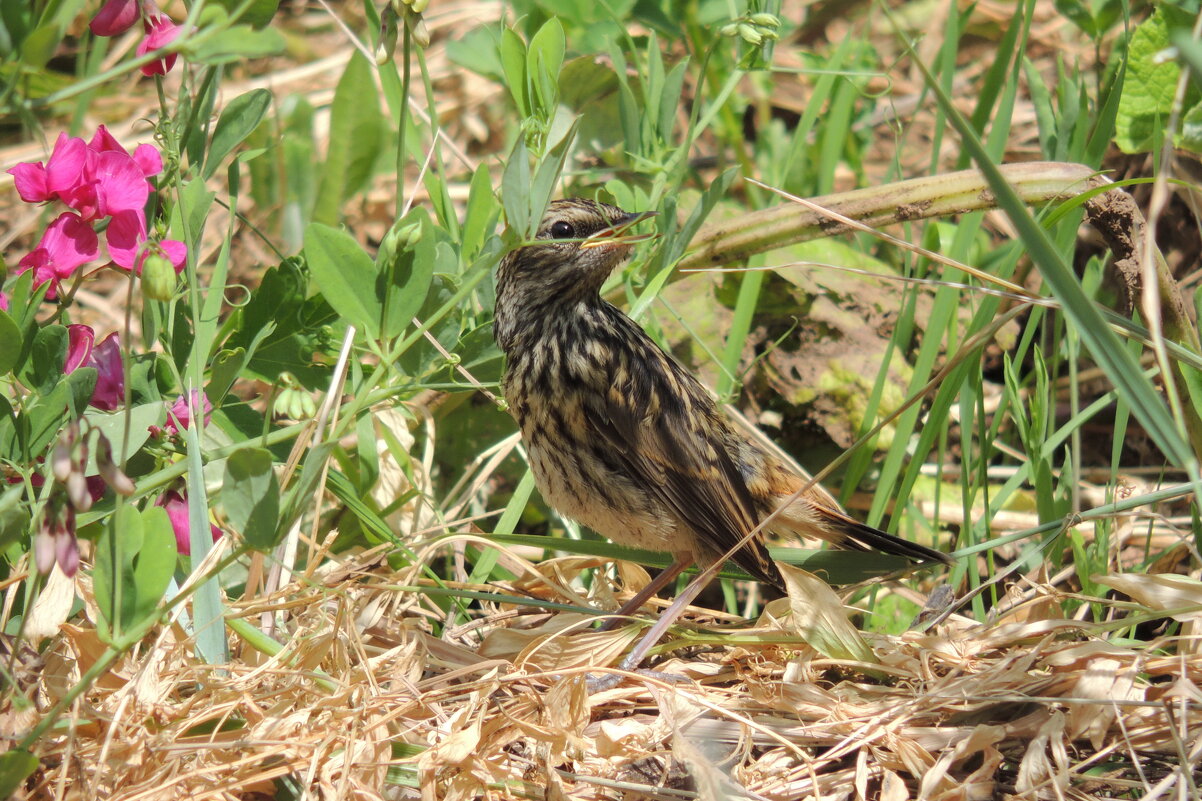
765 20
750 35
158 278
109 471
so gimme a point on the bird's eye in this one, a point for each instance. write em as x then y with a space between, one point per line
562 230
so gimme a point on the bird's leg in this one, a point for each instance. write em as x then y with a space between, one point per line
653 635
666 577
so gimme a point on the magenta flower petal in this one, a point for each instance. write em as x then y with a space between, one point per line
176 253
125 236
148 159
103 141
120 184
109 393
115 17
80 339
177 512
179 416
70 242
30 180
68 164
160 31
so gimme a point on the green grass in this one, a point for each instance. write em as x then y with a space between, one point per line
591 102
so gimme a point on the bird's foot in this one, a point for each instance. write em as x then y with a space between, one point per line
607 681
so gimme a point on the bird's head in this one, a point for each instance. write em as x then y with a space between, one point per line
578 244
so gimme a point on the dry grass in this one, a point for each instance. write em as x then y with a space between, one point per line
363 702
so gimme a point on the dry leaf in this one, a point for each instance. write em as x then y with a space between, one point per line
1161 591
820 617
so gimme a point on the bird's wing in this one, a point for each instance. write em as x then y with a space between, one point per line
669 438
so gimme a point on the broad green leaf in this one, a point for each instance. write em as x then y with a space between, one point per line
251 496
1148 91
112 425
512 52
544 60
345 275
238 119
46 415
407 279
10 336
357 135
257 14
44 368
515 192
239 43
154 563
224 371
112 574
16 766
14 516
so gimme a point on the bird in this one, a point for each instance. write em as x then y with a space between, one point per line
621 437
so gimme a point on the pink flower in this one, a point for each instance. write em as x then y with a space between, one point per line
68 243
110 379
177 511
109 392
115 18
56 542
80 339
160 31
3 301
145 156
120 184
179 416
64 177
129 246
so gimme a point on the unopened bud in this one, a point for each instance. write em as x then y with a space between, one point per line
60 461
77 491
109 471
750 35
417 27
158 277
765 20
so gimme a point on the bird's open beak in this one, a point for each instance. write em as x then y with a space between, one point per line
616 233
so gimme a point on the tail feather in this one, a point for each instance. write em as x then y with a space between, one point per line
844 532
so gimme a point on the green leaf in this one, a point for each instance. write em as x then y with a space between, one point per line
239 43
1149 88
238 119
112 425
345 275
544 60
46 415
408 280
44 368
10 335
512 52
224 371
257 14
16 766
357 135
112 572
14 516
251 496
154 564
515 192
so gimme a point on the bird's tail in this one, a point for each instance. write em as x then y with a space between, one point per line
813 520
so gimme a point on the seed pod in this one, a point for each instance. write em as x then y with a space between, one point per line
158 278
750 35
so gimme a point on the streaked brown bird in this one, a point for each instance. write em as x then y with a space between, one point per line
620 436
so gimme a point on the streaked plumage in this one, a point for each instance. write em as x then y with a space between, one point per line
620 436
